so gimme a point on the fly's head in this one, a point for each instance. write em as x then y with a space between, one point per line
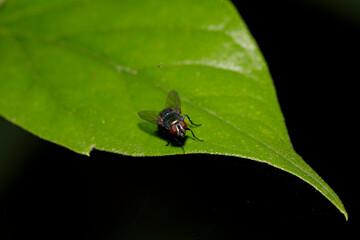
178 129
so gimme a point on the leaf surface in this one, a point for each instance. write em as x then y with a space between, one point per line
77 72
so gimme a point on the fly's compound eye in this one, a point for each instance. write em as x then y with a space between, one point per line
173 130
183 125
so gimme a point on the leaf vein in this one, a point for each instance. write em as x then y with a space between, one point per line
264 144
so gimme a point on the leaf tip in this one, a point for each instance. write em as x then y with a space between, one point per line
345 214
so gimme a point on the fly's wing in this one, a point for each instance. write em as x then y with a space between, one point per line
173 101
151 116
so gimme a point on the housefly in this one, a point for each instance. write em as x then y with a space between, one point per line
170 122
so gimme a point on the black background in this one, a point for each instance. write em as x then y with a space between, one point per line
47 191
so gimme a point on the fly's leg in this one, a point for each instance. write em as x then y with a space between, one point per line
194 134
190 120
183 149
180 144
167 143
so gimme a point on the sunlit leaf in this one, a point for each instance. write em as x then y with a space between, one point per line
76 72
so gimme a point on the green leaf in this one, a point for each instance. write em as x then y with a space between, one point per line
77 72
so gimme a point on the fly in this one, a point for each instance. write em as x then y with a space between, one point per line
170 122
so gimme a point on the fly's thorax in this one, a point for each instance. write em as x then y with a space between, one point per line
169 117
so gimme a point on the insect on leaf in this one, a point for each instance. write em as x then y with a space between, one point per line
77 72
